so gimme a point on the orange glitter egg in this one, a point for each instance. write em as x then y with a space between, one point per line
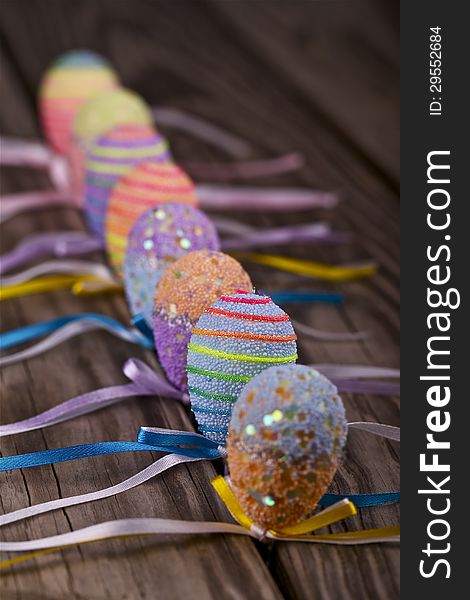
287 432
187 288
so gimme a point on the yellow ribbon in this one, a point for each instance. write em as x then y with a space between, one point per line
298 532
80 284
327 517
309 268
323 519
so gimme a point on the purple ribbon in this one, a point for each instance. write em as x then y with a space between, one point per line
357 386
144 382
313 232
57 243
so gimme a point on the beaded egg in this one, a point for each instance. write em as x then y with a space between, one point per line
145 186
71 80
287 433
235 339
158 238
97 116
187 288
111 156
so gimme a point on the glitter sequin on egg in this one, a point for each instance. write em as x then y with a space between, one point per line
187 288
287 433
158 238
235 339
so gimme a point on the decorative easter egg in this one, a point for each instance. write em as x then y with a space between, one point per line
71 80
158 238
112 155
187 288
287 432
145 186
235 339
97 116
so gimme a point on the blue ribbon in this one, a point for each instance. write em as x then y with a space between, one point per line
305 297
141 324
31 332
362 500
186 444
177 442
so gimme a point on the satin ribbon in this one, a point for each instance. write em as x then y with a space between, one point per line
56 243
149 438
218 197
319 233
74 243
62 329
163 440
189 447
201 128
53 283
154 438
144 382
125 528
15 204
309 268
246 169
293 297
58 267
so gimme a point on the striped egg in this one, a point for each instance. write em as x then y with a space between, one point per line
70 81
145 186
235 339
158 238
112 155
187 288
97 116
286 436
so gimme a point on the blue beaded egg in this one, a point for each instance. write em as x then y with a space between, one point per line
236 338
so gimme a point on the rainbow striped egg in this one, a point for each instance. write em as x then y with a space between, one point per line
235 339
97 116
111 156
287 434
145 186
70 81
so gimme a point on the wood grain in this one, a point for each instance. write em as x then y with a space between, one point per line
295 76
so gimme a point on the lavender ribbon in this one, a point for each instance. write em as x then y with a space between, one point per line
312 232
379 388
57 243
144 382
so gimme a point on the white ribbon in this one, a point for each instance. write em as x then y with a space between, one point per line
64 333
14 204
62 266
159 466
328 336
151 471
154 526
356 371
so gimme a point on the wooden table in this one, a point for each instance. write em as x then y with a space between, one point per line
320 78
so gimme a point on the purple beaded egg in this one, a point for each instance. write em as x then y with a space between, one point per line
159 237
